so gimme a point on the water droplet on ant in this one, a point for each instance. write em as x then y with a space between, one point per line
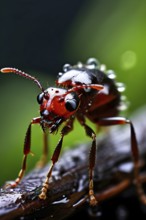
123 98
92 63
66 67
111 74
60 74
120 86
124 104
103 67
79 65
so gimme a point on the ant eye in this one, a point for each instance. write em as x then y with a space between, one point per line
71 101
40 98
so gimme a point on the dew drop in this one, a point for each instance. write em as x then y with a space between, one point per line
103 67
60 74
123 107
66 67
92 63
79 65
120 86
124 104
123 98
111 74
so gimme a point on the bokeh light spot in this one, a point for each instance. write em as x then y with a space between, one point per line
128 59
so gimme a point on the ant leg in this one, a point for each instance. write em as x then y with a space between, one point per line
54 160
92 158
134 150
26 151
65 130
43 160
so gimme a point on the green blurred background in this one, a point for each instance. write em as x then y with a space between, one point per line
39 37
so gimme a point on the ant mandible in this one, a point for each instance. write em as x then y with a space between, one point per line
88 91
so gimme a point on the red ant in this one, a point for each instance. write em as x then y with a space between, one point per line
88 92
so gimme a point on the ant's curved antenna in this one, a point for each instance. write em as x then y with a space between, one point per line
20 73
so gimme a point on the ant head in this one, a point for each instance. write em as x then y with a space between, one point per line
57 105
59 101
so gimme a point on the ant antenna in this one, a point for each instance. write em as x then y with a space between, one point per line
25 75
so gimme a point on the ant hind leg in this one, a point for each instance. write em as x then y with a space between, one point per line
134 149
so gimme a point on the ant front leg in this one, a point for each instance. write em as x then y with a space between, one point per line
134 150
26 151
66 129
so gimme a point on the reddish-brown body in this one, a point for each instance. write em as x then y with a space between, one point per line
83 91
94 103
